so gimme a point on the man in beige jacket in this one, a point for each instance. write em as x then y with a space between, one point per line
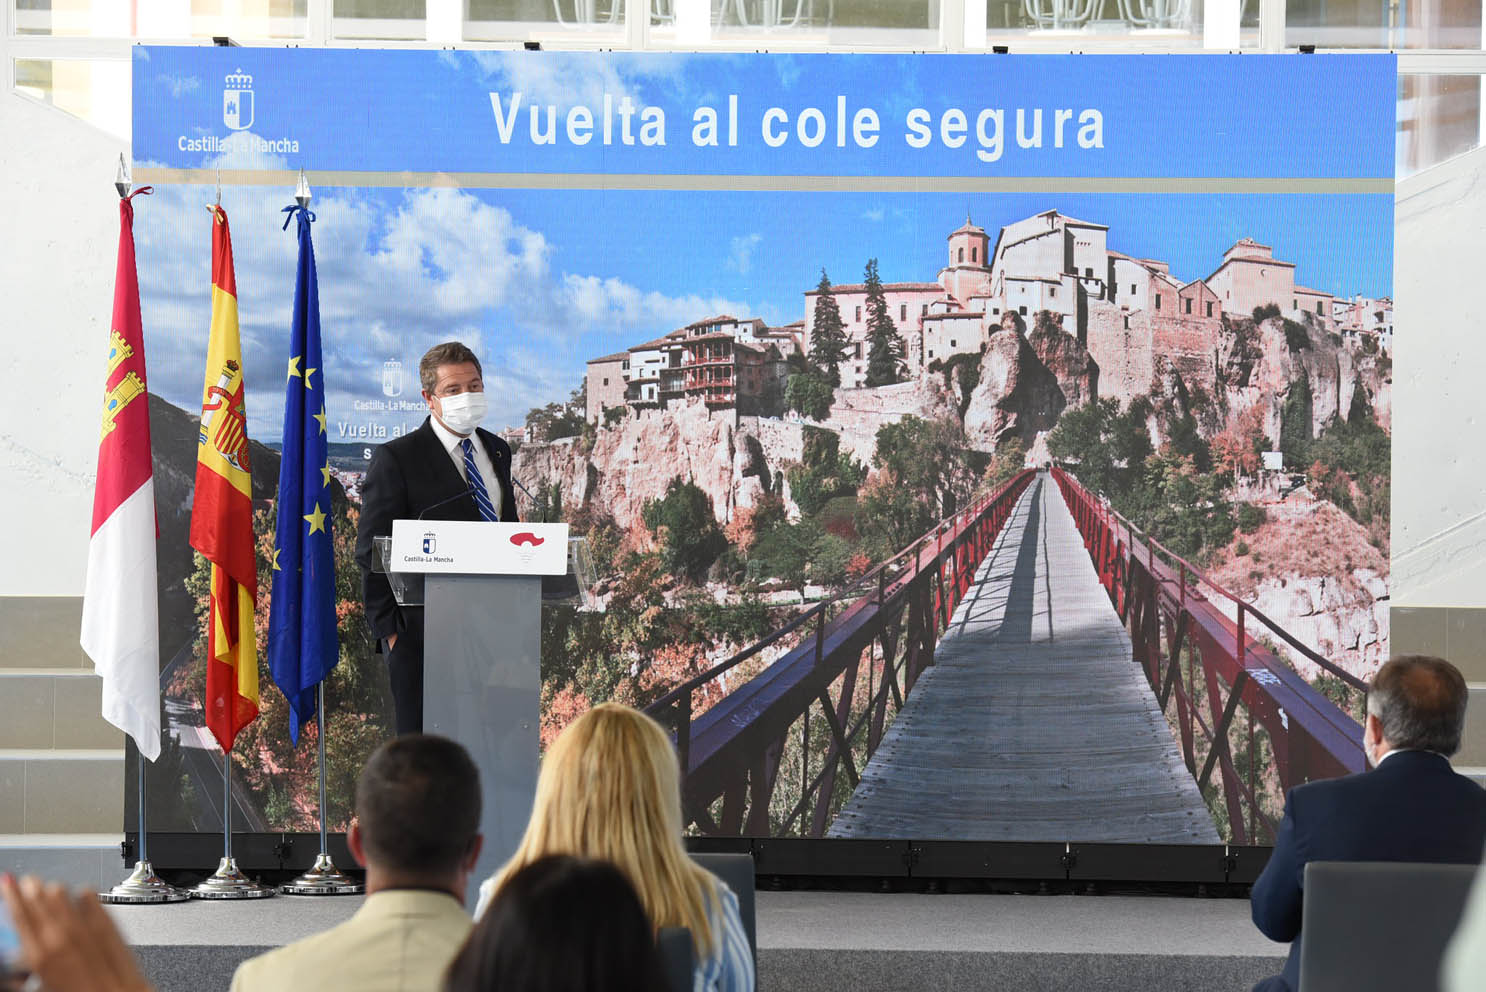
417 832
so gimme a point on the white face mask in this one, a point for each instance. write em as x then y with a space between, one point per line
462 413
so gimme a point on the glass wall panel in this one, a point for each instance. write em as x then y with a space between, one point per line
96 91
887 23
389 20
1439 117
517 20
1429 24
1102 24
161 19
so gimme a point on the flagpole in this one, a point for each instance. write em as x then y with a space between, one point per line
142 885
228 881
324 879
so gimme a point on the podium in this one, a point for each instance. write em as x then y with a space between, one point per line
481 592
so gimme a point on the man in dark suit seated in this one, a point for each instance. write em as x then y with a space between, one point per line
447 469
1410 807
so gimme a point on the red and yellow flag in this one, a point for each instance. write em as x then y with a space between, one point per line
222 515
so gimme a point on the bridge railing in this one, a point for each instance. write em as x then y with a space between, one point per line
886 622
1194 654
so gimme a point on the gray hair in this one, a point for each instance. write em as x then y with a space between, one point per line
1420 701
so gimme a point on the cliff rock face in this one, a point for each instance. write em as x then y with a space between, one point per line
858 414
1066 359
1017 394
1311 570
636 459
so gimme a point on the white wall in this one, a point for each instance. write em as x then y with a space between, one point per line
1439 419
56 277
57 253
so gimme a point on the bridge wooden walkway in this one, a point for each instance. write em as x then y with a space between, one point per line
1034 723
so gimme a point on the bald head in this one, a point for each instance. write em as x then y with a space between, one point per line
1419 702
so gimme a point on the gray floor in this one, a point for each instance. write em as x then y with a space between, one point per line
828 941
1033 723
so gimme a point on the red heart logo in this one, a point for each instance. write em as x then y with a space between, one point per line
527 537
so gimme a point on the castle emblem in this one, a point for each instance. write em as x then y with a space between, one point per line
237 101
392 378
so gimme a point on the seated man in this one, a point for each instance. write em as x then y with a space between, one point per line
417 832
1410 807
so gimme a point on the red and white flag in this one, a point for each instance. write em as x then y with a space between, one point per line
121 629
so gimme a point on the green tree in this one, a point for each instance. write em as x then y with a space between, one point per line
1185 508
1106 447
931 459
688 531
810 394
1009 459
824 474
884 346
827 334
554 421
1295 423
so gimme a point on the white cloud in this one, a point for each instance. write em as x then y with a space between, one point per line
875 215
740 256
568 79
179 85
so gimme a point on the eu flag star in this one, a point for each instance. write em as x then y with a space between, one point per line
276 559
321 418
325 475
293 367
307 374
316 520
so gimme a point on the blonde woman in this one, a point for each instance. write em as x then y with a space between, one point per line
610 789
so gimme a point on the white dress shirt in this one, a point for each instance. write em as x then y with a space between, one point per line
452 444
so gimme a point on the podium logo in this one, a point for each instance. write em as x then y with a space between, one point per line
237 101
392 378
430 544
527 537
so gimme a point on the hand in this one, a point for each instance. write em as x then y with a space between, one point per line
391 641
70 944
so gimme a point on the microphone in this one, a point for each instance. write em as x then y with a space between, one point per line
434 506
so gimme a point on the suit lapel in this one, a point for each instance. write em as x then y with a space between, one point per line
444 479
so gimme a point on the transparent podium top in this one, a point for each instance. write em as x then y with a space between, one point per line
575 588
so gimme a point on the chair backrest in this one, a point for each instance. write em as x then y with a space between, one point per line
737 871
1378 925
679 955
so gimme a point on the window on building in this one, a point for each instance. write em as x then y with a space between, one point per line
859 314
856 350
606 380
1189 306
924 310
1318 306
962 254
931 352
1209 308
973 252
953 343
1023 309
995 311
1052 291
1294 304
1132 289
1158 301
624 364
1089 271
902 311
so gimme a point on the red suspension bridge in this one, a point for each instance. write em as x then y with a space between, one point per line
1033 668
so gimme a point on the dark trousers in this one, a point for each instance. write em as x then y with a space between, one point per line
405 675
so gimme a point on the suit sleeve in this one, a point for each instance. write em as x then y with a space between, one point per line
384 498
1276 899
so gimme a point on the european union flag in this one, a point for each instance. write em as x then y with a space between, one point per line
302 641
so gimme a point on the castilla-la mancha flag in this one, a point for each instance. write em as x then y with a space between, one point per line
222 514
121 629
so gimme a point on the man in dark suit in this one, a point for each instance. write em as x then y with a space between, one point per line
447 469
1410 807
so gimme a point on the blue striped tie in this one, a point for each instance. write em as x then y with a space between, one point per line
477 484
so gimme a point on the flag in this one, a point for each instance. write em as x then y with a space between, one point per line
121 628
222 514
303 645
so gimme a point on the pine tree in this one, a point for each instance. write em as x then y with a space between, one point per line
828 336
884 346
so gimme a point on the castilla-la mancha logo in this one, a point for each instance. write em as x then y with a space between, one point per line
237 101
392 378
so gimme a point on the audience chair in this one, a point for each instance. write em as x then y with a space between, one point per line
1378 926
679 955
737 871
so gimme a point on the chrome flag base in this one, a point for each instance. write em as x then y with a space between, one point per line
324 879
228 882
143 886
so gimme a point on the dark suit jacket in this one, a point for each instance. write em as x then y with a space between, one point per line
408 476
1412 807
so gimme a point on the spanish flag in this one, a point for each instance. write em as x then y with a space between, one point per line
222 515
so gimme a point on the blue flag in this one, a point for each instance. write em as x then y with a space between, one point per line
303 645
